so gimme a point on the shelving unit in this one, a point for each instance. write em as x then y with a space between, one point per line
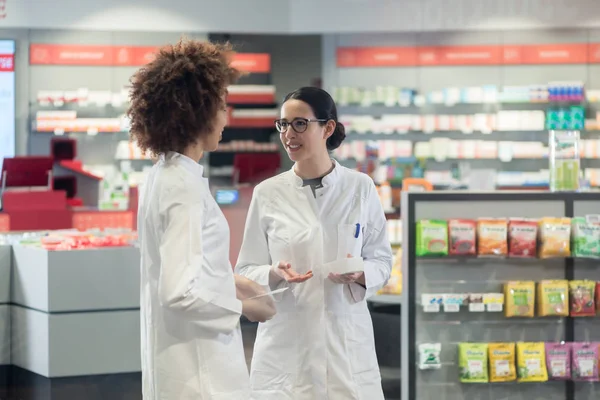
484 275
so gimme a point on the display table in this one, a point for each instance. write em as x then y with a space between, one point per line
75 312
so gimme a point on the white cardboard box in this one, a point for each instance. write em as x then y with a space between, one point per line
78 280
4 334
75 344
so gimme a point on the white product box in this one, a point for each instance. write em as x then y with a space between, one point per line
75 344
78 280
5 273
4 334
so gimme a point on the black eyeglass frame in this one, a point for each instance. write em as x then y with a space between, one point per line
280 129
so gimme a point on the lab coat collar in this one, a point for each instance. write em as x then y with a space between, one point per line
329 179
187 162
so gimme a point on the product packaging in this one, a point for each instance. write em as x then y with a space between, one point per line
585 362
462 234
586 238
429 356
531 362
520 299
473 362
558 360
492 237
432 238
522 238
553 298
581 298
502 362
555 237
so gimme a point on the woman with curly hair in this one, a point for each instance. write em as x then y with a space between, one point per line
191 340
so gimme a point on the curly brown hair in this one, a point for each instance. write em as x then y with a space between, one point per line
175 98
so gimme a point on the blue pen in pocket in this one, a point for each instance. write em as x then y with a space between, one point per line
357 231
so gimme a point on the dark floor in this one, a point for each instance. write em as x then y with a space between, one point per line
18 384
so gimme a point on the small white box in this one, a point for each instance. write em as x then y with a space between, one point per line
345 266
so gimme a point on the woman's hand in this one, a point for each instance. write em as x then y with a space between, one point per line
246 288
346 279
284 271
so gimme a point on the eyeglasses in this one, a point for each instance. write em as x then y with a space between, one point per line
299 125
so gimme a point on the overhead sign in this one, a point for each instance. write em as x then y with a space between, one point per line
569 53
127 56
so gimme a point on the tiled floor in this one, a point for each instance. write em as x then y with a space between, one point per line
18 384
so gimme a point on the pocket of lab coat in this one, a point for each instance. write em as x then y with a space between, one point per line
350 239
361 343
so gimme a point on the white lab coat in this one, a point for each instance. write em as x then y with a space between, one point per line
320 344
191 340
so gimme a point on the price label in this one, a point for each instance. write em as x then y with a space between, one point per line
494 307
451 308
476 307
431 308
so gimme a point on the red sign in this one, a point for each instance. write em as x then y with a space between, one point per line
7 62
252 62
376 56
468 55
554 54
459 55
131 56
54 54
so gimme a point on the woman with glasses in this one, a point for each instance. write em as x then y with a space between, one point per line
319 230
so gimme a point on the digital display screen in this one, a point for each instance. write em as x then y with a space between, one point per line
7 99
227 196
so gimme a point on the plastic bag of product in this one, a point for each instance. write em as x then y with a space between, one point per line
492 237
553 298
432 238
522 238
531 362
581 298
473 362
558 360
519 298
586 238
502 362
429 356
555 237
462 234
585 362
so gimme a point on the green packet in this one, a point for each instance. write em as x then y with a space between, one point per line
473 362
432 238
586 238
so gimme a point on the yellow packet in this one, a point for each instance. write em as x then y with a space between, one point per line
520 299
531 362
555 237
502 362
553 298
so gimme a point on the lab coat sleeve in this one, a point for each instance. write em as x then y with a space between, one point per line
254 261
376 250
181 288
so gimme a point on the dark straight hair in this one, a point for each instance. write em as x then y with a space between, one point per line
323 107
